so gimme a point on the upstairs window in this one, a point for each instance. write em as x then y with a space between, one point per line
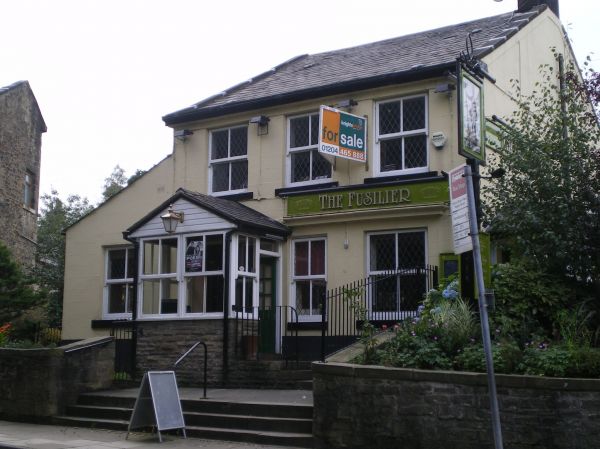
29 192
401 136
228 160
305 164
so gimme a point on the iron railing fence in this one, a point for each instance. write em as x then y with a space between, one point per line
385 298
266 330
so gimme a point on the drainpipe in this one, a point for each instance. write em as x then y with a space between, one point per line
134 303
226 307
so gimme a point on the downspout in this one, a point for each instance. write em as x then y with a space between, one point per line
134 303
226 308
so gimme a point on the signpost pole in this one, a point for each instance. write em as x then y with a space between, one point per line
485 326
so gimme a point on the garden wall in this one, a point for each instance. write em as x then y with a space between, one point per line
359 406
41 382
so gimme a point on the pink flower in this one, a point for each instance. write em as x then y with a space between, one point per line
383 327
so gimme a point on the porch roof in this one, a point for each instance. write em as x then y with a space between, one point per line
244 217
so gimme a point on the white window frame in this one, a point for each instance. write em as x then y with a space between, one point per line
204 273
179 275
108 282
228 160
309 148
253 275
309 277
395 232
402 134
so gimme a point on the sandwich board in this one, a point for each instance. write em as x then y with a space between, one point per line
157 404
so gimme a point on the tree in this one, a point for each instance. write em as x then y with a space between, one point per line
55 216
16 292
138 174
546 208
116 182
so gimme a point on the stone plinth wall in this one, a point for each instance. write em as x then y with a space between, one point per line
41 382
364 406
161 343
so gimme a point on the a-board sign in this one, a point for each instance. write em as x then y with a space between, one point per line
459 210
158 404
342 134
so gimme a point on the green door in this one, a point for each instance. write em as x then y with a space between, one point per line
267 300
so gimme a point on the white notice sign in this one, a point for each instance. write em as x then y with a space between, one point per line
459 209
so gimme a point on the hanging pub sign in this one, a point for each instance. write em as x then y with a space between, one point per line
342 134
471 124
459 210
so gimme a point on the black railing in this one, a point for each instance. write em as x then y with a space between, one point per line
124 335
260 331
385 298
188 352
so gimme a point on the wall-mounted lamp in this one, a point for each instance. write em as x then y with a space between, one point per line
263 124
181 134
348 103
170 219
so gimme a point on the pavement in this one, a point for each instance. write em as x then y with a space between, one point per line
15 435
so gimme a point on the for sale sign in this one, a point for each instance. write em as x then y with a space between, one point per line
342 134
459 210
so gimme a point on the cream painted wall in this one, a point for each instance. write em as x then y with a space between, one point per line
86 241
188 167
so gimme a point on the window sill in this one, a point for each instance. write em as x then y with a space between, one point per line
399 178
235 196
309 188
108 323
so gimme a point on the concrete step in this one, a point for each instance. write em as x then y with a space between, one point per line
288 424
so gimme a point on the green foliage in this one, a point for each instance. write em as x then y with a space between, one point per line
138 174
114 183
546 361
55 216
368 329
506 356
16 291
527 298
546 208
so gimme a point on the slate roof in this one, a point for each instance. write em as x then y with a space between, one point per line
244 217
412 57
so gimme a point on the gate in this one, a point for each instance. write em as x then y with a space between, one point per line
124 335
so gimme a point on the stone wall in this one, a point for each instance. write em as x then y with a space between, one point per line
41 382
21 129
364 406
161 343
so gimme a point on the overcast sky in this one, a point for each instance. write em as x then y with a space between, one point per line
105 72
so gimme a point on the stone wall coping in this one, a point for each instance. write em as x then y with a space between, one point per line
36 352
456 377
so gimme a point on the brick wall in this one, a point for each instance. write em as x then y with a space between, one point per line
361 406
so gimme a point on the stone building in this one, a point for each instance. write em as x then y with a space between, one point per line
21 128
268 226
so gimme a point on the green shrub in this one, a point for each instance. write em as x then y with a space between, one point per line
409 350
585 363
506 356
551 361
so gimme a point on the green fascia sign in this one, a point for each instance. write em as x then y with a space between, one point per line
365 198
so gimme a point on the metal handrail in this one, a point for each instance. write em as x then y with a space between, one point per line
91 345
194 346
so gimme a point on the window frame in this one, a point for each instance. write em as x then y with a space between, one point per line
307 148
29 199
382 314
246 275
308 277
108 282
229 160
377 171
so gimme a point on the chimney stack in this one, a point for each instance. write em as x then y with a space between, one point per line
526 5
